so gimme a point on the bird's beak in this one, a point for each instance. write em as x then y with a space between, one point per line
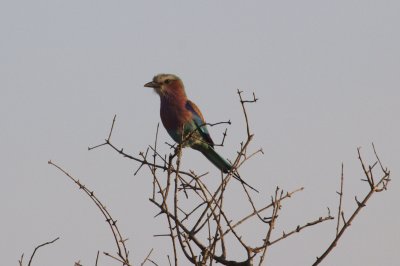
152 84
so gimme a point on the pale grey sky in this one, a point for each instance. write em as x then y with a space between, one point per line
326 72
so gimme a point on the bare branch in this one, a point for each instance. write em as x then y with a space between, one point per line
374 187
36 249
119 240
340 202
300 228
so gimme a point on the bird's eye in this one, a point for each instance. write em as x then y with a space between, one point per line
167 81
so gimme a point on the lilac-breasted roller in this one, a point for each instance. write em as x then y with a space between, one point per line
183 120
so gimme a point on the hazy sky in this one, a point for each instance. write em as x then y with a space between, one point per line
326 73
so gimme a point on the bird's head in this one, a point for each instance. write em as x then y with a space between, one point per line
166 84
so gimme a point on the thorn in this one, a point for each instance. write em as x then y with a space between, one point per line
360 204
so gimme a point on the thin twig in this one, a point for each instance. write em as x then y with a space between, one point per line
147 257
276 206
119 240
20 261
242 102
300 228
340 202
374 187
37 248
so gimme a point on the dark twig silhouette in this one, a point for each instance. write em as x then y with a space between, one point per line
35 250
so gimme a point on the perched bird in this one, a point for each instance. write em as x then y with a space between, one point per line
183 120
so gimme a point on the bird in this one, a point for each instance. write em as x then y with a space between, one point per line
184 121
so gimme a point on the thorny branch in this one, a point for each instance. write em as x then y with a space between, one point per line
119 240
374 185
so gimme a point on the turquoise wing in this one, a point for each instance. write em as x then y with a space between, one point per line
199 122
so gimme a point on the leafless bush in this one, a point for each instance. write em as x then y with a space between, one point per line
196 216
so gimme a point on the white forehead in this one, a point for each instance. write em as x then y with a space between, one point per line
162 77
